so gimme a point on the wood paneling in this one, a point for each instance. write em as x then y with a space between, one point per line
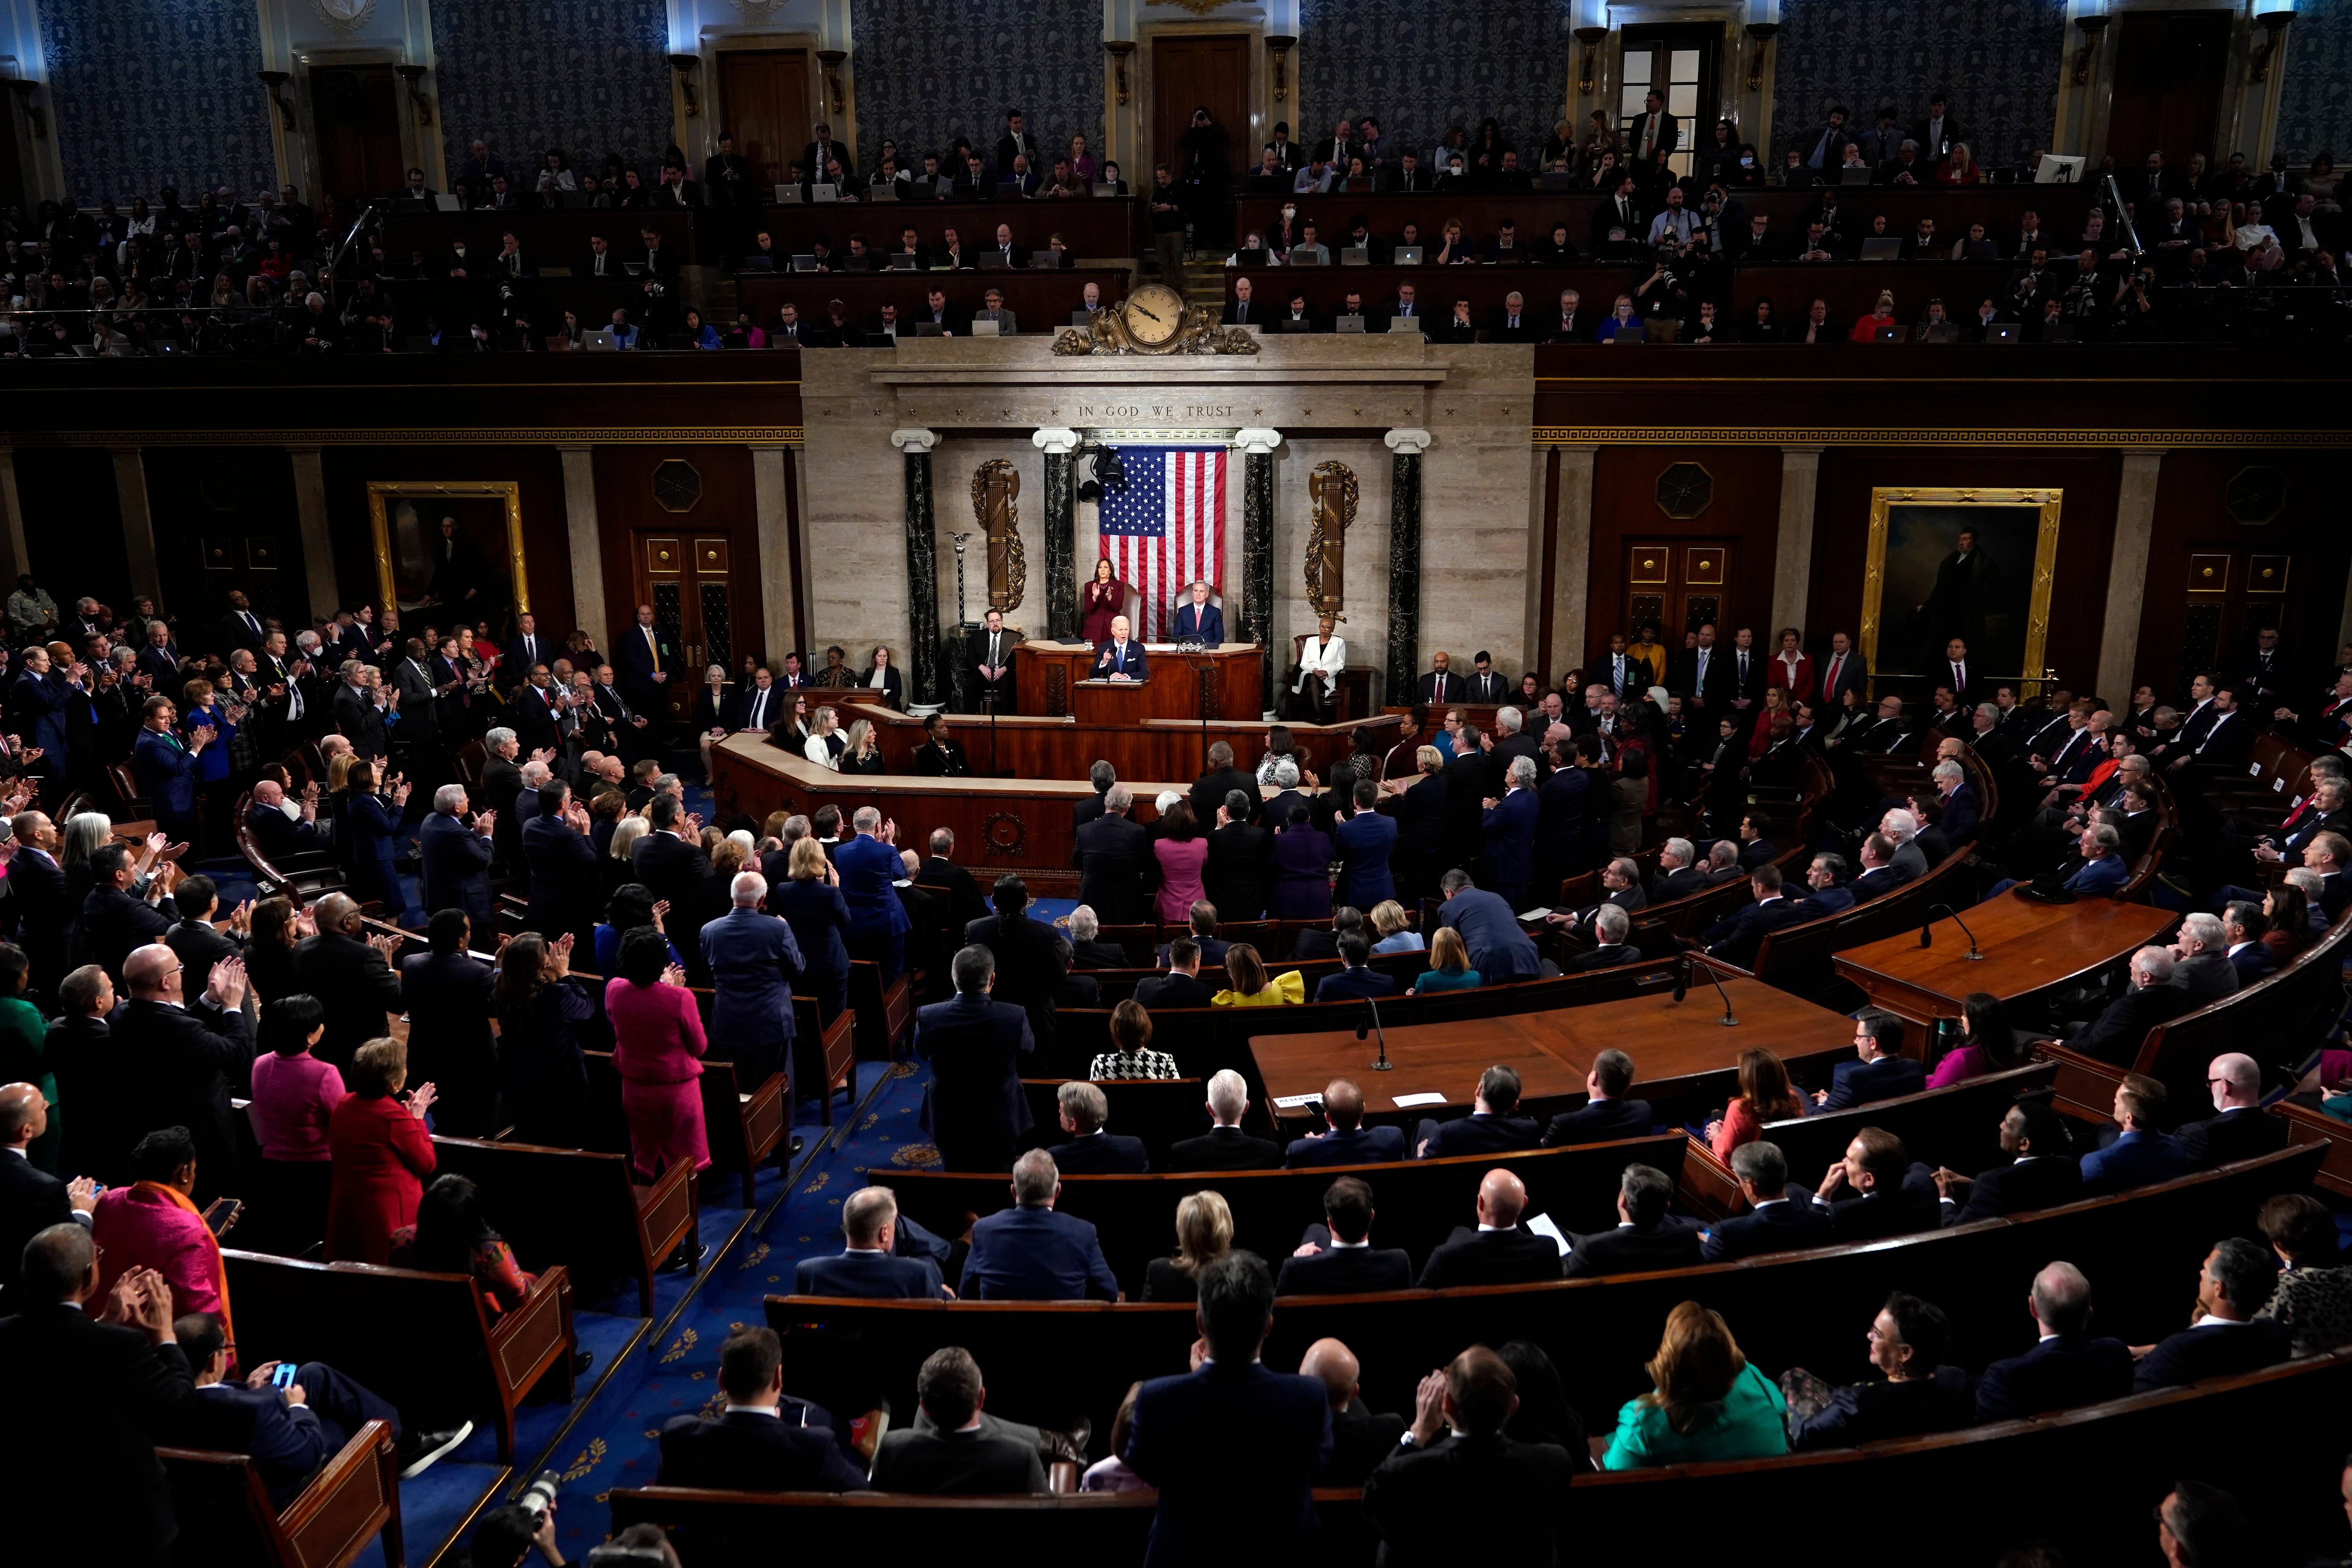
226 518
1193 72
1744 518
356 111
2169 72
763 101
628 514
537 471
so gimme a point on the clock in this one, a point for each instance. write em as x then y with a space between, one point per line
1154 315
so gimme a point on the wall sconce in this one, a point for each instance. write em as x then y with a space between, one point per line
415 76
1279 45
1119 49
2092 27
2274 23
1761 32
1590 39
23 90
273 81
684 66
829 64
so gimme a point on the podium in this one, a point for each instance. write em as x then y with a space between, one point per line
1054 682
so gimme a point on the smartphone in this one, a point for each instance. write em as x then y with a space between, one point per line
1315 1108
283 1377
222 1214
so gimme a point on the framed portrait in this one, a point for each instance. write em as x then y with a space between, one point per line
1976 564
455 543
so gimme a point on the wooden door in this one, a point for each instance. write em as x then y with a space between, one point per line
1677 585
356 111
1191 72
764 102
2168 73
2233 592
683 576
1682 63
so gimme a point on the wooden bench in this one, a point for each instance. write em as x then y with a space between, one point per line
885 1014
2140 1249
825 1054
229 1519
2304 1125
425 1342
2272 1438
578 1207
1419 1202
741 1129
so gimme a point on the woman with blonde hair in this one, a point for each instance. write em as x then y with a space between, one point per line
860 753
825 742
1247 984
1706 1403
1449 966
1204 1233
1395 936
810 901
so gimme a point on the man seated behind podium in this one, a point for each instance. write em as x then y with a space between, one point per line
761 1441
1198 620
1346 1141
1225 1147
1880 1072
1338 1258
1119 658
1356 980
1091 1152
1500 1251
1489 1128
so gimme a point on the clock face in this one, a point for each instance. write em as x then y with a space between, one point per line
1155 314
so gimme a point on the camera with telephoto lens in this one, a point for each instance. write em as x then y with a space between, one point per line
539 1496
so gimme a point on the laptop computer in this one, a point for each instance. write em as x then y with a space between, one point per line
1879 248
757 264
1347 324
634 268
1355 256
1406 255
987 329
992 262
927 329
412 204
1858 174
2055 170
1404 324
2002 333
1102 189
1304 256
785 193
1082 317
1044 262
804 263
601 338
902 261
1945 333
825 193
445 202
1630 332
882 191
1008 191
555 272
1557 180
1888 333
557 344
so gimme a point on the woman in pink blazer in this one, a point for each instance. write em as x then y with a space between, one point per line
1795 666
657 1046
1181 852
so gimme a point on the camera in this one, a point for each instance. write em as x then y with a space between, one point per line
539 1496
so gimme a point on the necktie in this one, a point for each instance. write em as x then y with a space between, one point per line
654 643
1835 660
1743 667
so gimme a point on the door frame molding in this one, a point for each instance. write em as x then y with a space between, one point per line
718 38
1144 85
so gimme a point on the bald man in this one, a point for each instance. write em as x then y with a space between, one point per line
2239 1129
32 1200
2067 1367
1359 1439
350 973
182 1055
1345 1139
1500 1251
1421 1497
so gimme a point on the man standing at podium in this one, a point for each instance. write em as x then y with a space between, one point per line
1200 621
1119 658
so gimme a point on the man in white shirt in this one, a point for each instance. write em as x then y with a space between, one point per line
1316 682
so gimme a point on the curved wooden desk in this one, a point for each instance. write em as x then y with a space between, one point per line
2027 947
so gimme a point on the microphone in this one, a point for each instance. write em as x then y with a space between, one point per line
1682 989
1927 926
1383 1064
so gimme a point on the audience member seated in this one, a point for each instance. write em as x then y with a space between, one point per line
1091 1152
1029 1253
1882 1203
152 1225
2226 1337
1247 984
1204 1233
759 1442
955 1453
1882 1071
1361 1439
1500 1251
2239 1129
1225 1147
1338 1258
871 1265
1646 1238
2041 1173
2067 1367
1489 1128
1355 980
1345 1139
1987 1044
1181 986
1088 951
1449 966
1131 1056
1388 917
1917 1392
1765 1095
1706 1402
2116 1034
1781 1217
1606 1115
2314 1294
2200 960
2143 1152
1457 1456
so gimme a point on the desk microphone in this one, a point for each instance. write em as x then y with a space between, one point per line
1383 1064
1927 926
1682 989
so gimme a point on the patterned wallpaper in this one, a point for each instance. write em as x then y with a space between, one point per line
931 71
2315 96
157 92
598 82
1997 59
1422 67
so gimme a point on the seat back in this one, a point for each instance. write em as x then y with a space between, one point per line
227 1518
2288 1005
1957 1125
577 1207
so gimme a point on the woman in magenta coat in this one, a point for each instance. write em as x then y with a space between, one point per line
1181 852
657 1046
382 1154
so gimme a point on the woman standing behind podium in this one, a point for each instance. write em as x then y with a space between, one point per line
1104 599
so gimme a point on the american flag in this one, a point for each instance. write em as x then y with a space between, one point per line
1165 528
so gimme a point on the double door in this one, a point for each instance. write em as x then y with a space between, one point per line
1677 585
683 576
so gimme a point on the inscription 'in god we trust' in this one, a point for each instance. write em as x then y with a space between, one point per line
1090 412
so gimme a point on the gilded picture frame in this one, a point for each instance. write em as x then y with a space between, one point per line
504 495
1908 610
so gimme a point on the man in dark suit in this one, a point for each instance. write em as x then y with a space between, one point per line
1879 1072
1121 658
1880 1201
1360 1438
939 871
2067 1368
194 939
1736 938
100 1371
1102 776
454 856
648 661
182 1055
1225 1147
1346 1141
1029 1253
1647 1238
2239 1129
1606 1115
114 920
165 767
2227 1338
1442 685
562 867
871 1265
31 1200
2143 1152
353 705
348 971
975 1111
2041 1173
1234 1448
1091 1152
672 865
1233 876
1653 132
524 650
1027 961
1338 1258
38 883
752 959
1507 829
1843 668
241 627
1498 1252
1356 980
2116 1034
953 1448
1197 620
1610 926
1422 1495
1489 1128
1181 986
760 1442
1113 857
445 992
1779 1219
1210 790
993 651
1702 675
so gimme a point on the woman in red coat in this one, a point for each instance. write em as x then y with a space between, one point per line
1101 602
1795 666
657 1045
382 1155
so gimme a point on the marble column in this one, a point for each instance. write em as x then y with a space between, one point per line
1571 572
16 559
1792 558
318 540
1060 445
1404 561
2126 573
776 626
1257 623
922 572
582 532
138 524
